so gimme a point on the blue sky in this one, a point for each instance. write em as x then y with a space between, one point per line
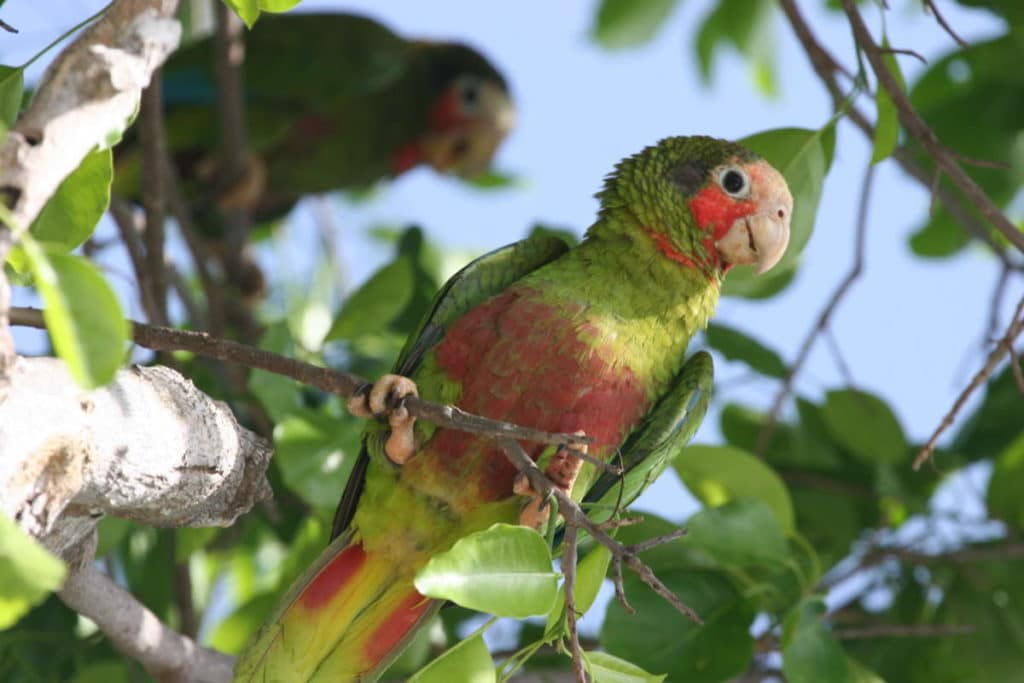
910 330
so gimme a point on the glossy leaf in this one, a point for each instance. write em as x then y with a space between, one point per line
736 345
606 668
627 23
28 572
717 475
505 570
866 426
376 303
12 86
810 653
590 573
743 533
71 214
803 156
1004 497
663 641
467 661
249 10
82 313
315 453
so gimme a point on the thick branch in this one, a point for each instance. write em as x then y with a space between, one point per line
920 131
149 447
138 633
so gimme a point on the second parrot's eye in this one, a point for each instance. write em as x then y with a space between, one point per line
734 181
470 95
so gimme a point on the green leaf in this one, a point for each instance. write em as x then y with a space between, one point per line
315 453
810 653
249 10
938 238
866 426
376 303
661 640
1004 497
590 573
28 572
231 634
736 345
505 570
492 179
12 86
109 671
803 157
467 661
742 533
71 214
887 125
627 23
748 25
717 475
606 668
82 313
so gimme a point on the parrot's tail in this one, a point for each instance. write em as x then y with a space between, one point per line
346 619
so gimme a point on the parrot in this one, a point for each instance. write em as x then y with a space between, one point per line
383 105
590 339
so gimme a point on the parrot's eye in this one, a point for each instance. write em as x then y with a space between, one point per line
469 94
734 181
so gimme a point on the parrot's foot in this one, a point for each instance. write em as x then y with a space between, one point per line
243 192
561 471
389 390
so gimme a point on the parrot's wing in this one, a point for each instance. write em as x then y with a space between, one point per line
298 59
477 282
650 448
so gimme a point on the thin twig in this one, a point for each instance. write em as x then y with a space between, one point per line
765 436
7 27
1003 347
825 65
337 382
904 51
904 631
918 129
128 227
930 5
569 572
574 516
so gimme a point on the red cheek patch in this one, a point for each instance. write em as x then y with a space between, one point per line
446 113
715 211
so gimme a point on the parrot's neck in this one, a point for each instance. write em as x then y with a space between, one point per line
649 305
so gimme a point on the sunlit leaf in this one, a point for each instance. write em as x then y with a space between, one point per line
747 25
467 661
736 345
627 23
249 10
590 573
720 474
505 570
71 214
315 453
1004 497
606 668
377 302
742 533
28 572
82 313
887 123
12 85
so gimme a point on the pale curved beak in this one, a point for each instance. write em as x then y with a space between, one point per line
759 239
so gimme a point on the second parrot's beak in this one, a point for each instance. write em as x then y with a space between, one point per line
468 148
760 238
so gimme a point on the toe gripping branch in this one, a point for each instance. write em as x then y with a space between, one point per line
562 471
384 399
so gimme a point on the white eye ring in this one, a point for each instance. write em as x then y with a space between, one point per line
735 181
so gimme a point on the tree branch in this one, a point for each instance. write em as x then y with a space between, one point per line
337 382
138 633
916 127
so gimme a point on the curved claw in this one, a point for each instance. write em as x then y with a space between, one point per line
389 389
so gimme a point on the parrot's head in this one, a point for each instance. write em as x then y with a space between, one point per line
705 203
471 111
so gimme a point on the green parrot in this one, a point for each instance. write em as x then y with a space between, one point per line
589 339
384 105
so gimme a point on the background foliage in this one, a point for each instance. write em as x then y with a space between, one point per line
818 554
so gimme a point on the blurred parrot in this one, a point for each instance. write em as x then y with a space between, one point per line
334 101
589 339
